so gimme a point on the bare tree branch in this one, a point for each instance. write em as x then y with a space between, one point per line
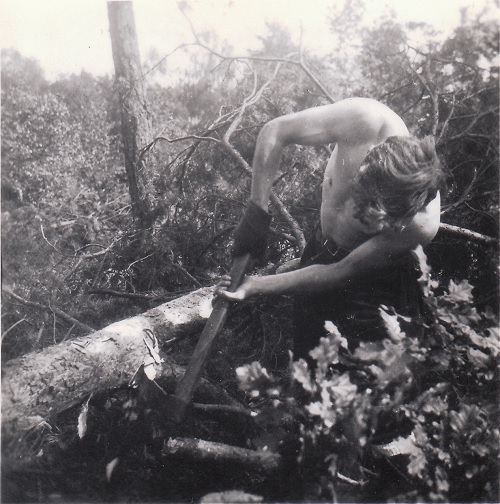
466 131
75 255
50 309
225 409
210 451
137 295
444 128
7 331
467 233
434 96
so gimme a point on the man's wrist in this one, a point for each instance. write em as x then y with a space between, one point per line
250 234
258 213
261 203
261 285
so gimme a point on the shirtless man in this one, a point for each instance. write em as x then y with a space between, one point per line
380 199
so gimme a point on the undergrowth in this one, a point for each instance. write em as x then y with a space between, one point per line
412 418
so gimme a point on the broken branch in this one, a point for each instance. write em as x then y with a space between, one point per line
51 309
467 233
209 451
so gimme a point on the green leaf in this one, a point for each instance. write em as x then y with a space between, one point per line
302 375
478 358
391 324
110 467
461 292
435 405
324 411
425 279
253 378
491 341
342 390
82 418
369 351
417 463
327 352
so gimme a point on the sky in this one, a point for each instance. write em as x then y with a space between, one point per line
67 36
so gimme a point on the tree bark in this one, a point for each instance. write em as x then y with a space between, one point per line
198 449
41 384
467 233
135 118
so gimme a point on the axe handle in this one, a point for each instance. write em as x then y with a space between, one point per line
185 387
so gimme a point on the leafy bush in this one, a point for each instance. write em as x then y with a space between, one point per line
424 409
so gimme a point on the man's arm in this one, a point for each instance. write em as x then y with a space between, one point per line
375 253
355 120
370 256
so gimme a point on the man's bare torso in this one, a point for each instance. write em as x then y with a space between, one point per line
337 206
337 221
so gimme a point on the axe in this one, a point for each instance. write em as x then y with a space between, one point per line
185 387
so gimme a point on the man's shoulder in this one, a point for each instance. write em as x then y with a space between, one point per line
426 223
421 230
371 120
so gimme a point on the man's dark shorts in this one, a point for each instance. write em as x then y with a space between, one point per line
355 309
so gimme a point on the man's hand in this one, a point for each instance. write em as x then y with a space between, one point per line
244 291
251 232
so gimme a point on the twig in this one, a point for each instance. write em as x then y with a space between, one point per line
444 128
168 296
68 333
139 260
84 256
128 295
182 270
100 253
45 238
56 311
466 131
432 95
12 327
40 332
223 408
53 325
351 481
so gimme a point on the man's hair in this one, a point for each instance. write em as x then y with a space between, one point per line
397 179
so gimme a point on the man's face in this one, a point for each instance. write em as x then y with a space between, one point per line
366 209
369 208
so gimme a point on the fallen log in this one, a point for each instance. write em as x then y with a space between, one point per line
40 384
209 451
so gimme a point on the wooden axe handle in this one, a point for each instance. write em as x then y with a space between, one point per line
185 387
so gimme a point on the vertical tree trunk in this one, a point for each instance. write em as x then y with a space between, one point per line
135 119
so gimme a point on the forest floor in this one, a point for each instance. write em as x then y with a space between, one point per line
113 447
120 458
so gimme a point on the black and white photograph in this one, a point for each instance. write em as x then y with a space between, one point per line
250 251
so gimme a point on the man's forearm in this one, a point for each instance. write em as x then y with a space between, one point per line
315 278
366 259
